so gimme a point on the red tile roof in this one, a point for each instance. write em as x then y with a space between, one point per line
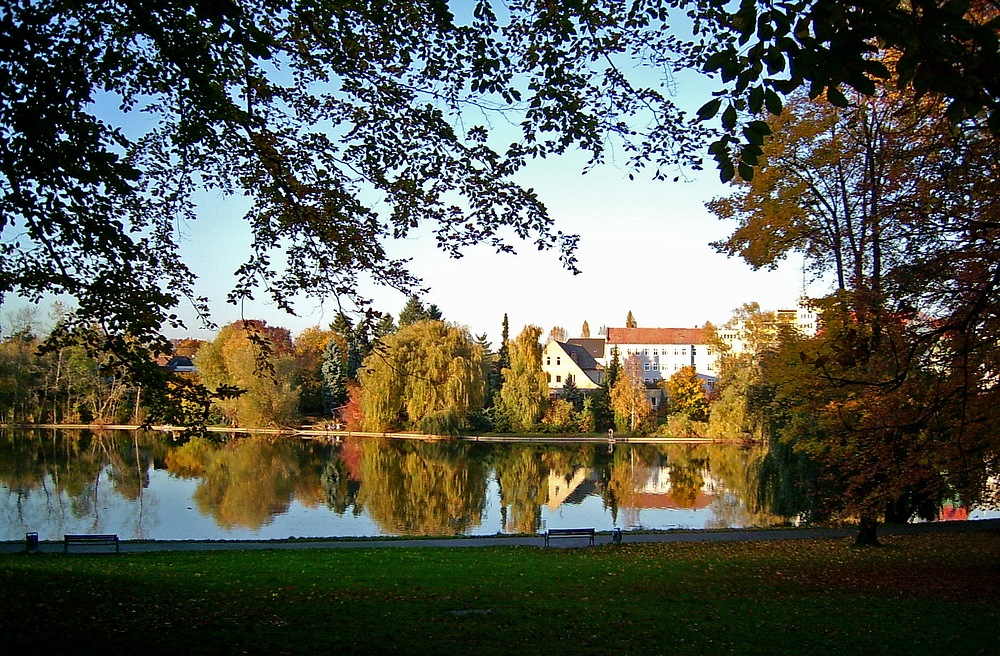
656 336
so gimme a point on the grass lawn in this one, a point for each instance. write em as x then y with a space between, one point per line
920 594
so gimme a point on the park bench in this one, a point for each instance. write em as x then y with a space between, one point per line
91 541
569 533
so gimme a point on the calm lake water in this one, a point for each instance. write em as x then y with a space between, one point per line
147 486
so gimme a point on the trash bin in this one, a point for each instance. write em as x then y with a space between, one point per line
31 542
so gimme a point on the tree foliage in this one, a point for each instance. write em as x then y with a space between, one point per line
115 117
414 311
735 412
686 394
525 392
429 376
614 370
333 373
232 361
899 204
310 346
628 398
765 52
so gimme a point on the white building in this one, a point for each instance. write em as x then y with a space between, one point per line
661 352
803 319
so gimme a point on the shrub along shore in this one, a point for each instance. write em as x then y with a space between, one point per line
927 593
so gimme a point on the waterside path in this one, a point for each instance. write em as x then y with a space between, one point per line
140 546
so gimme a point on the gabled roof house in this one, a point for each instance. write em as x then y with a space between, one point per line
562 361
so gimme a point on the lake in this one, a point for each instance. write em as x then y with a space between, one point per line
146 485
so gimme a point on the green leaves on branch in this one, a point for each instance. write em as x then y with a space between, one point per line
765 51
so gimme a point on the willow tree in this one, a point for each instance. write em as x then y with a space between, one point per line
429 376
525 392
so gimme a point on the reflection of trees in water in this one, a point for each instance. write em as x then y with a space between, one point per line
71 462
786 483
422 488
250 480
340 490
522 476
725 473
406 487
738 470
523 472
23 461
626 475
190 459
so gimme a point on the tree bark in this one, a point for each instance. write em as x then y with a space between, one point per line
867 532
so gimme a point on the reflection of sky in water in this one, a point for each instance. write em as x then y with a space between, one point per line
166 510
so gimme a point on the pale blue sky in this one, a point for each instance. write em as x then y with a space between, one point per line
644 247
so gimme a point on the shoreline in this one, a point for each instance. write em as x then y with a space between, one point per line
535 540
336 435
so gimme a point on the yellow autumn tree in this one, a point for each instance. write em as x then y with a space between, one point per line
428 376
628 398
525 393
240 357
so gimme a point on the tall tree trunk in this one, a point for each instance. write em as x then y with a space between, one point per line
867 532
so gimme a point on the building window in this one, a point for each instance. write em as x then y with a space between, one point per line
558 379
656 351
645 351
558 360
548 377
548 361
645 366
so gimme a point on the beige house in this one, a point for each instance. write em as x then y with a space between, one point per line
563 362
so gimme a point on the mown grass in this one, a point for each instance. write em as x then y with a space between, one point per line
921 594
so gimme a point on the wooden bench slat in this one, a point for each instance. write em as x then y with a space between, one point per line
569 533
91 539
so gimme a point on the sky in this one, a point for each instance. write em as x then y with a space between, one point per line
644 247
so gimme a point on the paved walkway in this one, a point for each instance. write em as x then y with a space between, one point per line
138 546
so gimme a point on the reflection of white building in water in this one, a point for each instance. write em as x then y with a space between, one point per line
653 490
563 490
